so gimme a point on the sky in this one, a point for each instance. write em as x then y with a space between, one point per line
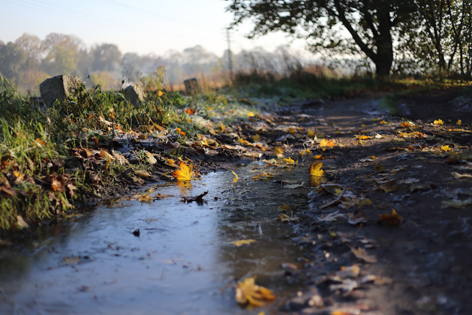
138 26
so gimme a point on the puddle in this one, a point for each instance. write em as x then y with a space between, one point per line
179 263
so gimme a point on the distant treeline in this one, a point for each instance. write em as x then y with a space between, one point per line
28 61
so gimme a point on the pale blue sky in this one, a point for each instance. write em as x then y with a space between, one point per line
141 26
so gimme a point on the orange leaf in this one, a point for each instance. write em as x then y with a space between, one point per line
327 144
393 219
190 111
185 173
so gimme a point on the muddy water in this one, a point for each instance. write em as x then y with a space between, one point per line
178 264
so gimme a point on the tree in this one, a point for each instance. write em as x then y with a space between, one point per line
106 57
12 58
371 25
62 53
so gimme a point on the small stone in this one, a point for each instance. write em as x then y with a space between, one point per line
134 94
59 88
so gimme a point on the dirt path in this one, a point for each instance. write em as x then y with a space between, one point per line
359 256
416 262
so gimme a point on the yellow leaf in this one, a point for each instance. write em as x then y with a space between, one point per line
242 242
146 197
235 180
289 161
459 122
315 169
185 173
383 122
438 122
306 152
106 156
362 137
279 152
311 134
445 148
256 138
248 292
160 93
250 114
327 144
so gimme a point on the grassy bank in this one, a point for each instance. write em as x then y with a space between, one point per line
97 144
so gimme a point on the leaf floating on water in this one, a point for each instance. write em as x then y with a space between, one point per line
242 242
361 253
249 293
235 180
393 219
185 173
315 169
198 199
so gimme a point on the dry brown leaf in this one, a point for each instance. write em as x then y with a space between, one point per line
361 253
393 219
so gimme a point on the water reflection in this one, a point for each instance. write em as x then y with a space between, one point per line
180 262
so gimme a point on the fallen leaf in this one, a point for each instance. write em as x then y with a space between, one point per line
284 208
248 292
242 242
361 253
289 161
21 223
446 148
279 152
235 180
393 219
457 175
185 173
390 186
315 169
456 203
190 111
459 122
198 199
327 144
349 272
438 122
142 173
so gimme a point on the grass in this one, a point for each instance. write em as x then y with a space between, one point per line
56 159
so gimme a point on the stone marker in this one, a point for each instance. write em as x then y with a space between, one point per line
59 88
134 94
191 86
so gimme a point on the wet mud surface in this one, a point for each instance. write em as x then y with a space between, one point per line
331 252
